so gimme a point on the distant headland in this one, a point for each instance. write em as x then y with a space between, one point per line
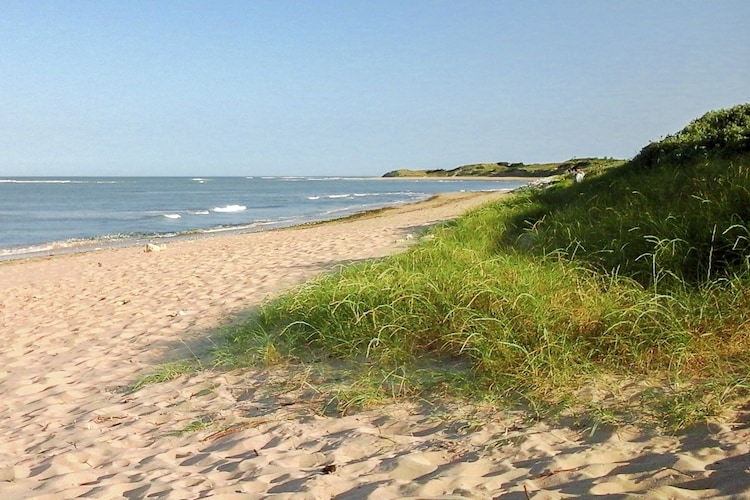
506 169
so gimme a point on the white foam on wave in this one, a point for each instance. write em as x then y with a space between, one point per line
56 181
8 252
359 195
34 181
172 216
230 208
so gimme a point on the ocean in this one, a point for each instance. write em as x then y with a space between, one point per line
44 214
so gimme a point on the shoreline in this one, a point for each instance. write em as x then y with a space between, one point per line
54 248
78 330
21 249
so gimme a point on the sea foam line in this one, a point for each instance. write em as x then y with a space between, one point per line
230 208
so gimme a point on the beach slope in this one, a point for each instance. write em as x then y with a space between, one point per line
78 330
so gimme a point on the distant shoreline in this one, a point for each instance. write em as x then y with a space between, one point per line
467 178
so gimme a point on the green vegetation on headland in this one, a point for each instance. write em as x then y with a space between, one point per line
505 169
625 297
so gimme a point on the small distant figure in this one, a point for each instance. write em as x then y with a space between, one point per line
578 173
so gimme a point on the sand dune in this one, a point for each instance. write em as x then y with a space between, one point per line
76 330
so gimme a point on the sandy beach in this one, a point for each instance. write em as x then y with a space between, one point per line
79 329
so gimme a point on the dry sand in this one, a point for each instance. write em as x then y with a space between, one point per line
77 329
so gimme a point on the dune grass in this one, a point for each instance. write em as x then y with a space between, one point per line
167 372
624 296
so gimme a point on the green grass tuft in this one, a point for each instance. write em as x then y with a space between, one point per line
641 272
166 372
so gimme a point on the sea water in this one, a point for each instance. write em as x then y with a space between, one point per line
40 214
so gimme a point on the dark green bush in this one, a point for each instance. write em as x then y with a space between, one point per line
684 219
720 133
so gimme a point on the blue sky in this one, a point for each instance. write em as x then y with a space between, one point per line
354 87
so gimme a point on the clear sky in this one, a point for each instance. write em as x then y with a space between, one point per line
350 87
